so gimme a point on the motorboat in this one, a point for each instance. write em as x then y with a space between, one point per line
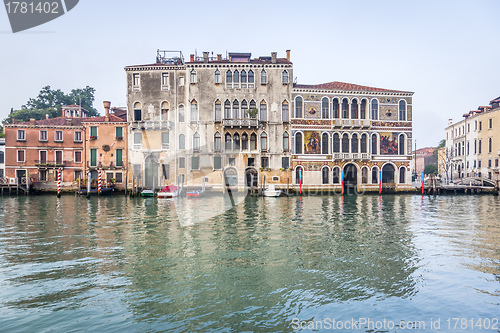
169 191
271 191
147 193
194 194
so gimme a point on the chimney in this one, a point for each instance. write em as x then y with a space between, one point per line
46 116
288 55
107 105
68 121
205 57
219 57
450 122
191 58
32 121
14 121
273 57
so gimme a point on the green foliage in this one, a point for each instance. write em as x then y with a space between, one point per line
431 169
2 134
442 143
50 102
252 112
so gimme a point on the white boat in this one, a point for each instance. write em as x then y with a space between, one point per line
168 192
271 191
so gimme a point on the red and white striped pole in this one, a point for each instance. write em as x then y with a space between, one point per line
58 183
99 183
380 182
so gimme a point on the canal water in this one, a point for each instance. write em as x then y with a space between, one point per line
248 264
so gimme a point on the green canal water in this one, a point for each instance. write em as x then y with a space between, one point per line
247 264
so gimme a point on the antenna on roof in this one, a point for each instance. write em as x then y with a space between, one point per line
295 80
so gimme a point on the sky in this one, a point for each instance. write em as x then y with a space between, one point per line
446 52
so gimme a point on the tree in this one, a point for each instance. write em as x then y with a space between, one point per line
431 169
49 102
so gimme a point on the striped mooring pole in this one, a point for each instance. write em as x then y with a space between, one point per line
99 184
58 183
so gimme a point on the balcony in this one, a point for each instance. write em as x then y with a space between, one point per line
240 122
352 156
351 123
44 164
152 125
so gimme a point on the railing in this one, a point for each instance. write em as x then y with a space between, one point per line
49 164
351 123
351 156
240 122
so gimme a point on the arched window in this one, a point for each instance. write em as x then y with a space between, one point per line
336 143
253 141
375 175
354 143
182 141
263 111
374 109
218 111
363 109
345 108
335 108
251 78
228 142
236 109
227 109
229 79
196 141
374 145
244 141
354 109
345 143
402 110
324 143
137 111
243 79
217 76
298 107
236 142
194 111
181 113
284 77
217 141
401 144
364 175
284 112
253 106
299 175
325 175
402 175
336 175
325 108
263 77
263 141
164 111
286 141
298 143
244 109
192 76
364 143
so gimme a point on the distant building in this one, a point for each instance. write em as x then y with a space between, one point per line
423 157
2 158
73 110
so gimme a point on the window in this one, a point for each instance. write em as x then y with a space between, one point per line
401 144
264 162
354 143
195 163
182 141
196 141
336 143
345 108
263 141
402 110
42 175
119 157
43 156
137 111
335 108
182 162
229 79
325 175
228 142
236 79
59 155
217 76
253 141
76 175
284 112
44 137
496 162
299 173
164 111
284 77
479 146
251 161
363 109
119 177
164 81
298 107
218 115
263 111
263 77
345 143
244 141
490 145
336 175
489 163
165 140
325 108
232 161
2 157
217 162
490 123
194 111
20 156
480 125
364 175
374 144
479 163
236 142
217 141
119 132
354 109
298 143
136 80
364 143
78 136
21 135
324 143
58 136
192 76
181 113
243 79
166 170
181 81
286 141
236 109
137 140
227 109
93 132
93 157
402 175
375 176
285 162
251 79
78 156
374 109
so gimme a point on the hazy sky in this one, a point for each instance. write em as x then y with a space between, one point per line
447 52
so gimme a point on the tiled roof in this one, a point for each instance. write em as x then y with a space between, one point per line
76 121
112 119
344 86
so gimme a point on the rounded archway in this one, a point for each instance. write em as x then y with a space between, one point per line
299 175
251 177
388 174
231 177
350 176
151 172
